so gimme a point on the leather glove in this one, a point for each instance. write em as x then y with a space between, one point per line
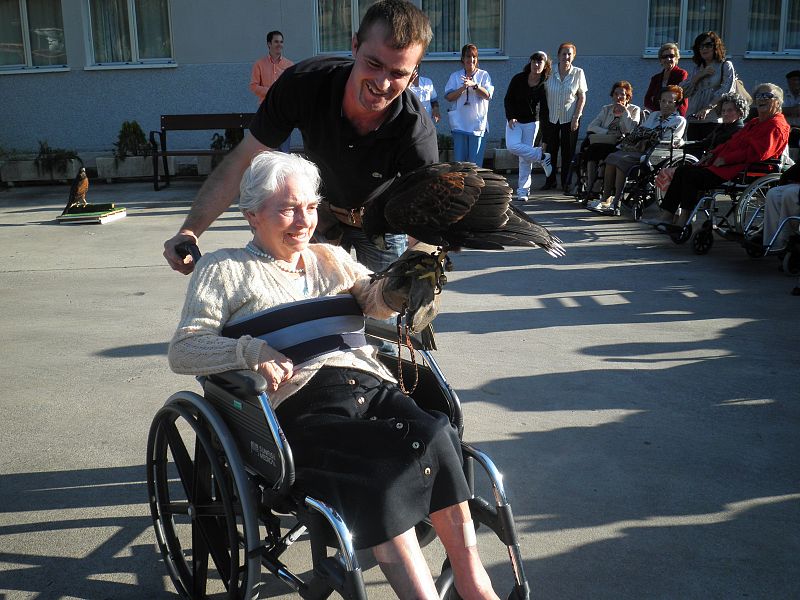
413 283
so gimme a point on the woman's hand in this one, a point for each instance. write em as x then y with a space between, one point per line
701 114
618 109
705 72
274 367
511 123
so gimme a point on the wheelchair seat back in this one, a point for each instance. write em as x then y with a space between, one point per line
244 416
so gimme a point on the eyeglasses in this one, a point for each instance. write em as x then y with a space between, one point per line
707 45
667 56
765 96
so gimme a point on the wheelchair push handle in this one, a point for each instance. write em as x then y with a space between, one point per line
185 249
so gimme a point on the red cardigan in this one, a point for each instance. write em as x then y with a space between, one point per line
757 140
653 94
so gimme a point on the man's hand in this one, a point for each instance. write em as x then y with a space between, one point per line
185 264
274 367
511 123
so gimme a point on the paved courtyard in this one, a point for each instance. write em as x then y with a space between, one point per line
641 401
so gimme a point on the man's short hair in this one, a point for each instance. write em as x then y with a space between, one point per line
405 24
793 74
272 34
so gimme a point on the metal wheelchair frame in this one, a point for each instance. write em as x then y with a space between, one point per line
223 519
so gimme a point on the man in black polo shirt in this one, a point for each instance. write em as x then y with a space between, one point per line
360 125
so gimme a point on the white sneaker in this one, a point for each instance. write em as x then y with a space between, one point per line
520 198
546 164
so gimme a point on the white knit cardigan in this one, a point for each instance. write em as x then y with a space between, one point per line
232 283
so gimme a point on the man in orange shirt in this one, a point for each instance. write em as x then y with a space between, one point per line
267 69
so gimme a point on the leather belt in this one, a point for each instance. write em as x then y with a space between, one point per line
350 217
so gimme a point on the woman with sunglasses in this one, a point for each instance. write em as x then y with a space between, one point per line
712 78
670 74
526 106
762 138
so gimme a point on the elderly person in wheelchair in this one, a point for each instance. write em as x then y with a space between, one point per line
359 443
668 124
762 138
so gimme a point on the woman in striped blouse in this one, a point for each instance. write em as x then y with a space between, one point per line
566 97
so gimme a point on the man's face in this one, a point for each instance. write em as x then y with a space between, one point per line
794 84
276 45
380 73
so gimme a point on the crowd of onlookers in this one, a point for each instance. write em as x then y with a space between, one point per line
706 111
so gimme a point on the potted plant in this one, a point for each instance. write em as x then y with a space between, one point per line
132 155
227 142
445 147
50 164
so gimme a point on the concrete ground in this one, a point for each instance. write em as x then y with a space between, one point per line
641 401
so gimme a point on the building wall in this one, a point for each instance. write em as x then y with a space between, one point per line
215 44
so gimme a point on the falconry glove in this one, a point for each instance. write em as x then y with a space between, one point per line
413 283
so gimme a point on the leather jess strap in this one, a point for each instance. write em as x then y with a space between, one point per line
349 217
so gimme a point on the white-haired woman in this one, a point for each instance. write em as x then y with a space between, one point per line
762 138
350 427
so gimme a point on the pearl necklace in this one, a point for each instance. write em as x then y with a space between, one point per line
253 249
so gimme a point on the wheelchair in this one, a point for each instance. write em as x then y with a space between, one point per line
224 504
747 193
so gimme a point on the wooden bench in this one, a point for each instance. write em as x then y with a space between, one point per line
158 139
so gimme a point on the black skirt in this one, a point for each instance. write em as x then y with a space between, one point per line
368 450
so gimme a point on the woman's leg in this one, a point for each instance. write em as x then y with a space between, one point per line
568 140
552 137
519 142
454 527
694 181
405 568
477 149
461 146
609 177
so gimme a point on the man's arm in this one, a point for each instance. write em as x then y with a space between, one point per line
214 197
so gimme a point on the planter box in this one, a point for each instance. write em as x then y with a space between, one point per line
26 170
505 161
133 167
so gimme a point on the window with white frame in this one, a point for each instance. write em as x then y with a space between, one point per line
454 23
681 21
31 34
774 28
130 32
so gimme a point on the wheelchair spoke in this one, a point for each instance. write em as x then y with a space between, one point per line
181 457
199 561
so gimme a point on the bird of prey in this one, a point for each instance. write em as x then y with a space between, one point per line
77 193
454 205
447 206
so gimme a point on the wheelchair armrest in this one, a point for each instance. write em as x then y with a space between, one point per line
422 340
240 383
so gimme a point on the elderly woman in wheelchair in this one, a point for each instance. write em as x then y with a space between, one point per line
358 443
666 126
761 139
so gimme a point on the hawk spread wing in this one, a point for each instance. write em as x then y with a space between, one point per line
455 205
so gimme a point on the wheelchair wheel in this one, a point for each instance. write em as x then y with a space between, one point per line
752 199
791 262
682 236
702 241
201 502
